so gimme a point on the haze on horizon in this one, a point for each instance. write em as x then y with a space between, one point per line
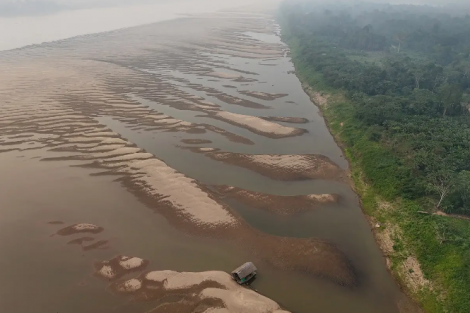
12 8
38 21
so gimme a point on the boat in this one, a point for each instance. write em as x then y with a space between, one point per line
245 273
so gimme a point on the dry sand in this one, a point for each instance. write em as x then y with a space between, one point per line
119 266
199 291
80 228
258 125
179 191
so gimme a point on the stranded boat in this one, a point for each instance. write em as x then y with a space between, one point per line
245 273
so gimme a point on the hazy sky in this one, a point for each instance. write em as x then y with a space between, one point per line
13 8
10 8
96 3
36 21
35 25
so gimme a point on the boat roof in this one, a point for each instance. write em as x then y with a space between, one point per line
245 270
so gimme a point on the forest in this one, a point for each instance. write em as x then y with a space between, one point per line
403 72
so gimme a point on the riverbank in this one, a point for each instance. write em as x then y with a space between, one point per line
408 275
421 251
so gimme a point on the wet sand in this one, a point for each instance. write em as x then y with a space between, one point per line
98 148
281 166
283 205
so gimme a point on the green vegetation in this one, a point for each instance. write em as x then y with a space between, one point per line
398 79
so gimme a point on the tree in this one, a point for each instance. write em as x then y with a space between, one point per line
451 97
441 182
418 74
400 37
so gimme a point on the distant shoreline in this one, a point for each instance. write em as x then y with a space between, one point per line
64 24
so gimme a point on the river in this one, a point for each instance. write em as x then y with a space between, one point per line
199 94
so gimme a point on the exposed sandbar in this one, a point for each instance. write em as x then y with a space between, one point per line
80 228
208 292
119 266
258 125
281 166
282 205
262 95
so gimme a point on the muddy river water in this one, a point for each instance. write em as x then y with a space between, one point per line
191 146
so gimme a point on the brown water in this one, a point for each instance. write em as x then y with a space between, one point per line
42 273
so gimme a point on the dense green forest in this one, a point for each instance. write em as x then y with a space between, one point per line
403 73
